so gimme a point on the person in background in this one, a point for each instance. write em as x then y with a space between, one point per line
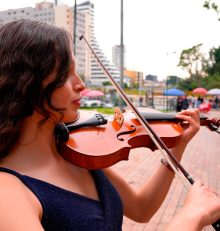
185 103
141 100
179 104
216 102
146 99
39 189
191 101
199 101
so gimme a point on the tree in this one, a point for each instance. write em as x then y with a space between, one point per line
209 74
213 64
107 83
213 81
172 80
192 61
212 69
211 5
186 84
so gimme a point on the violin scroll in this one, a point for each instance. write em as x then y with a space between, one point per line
213 124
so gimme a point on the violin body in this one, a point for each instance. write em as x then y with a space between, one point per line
98 147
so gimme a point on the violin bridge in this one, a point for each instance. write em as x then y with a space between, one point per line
118 117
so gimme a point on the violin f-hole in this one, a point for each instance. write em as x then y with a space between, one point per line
126 133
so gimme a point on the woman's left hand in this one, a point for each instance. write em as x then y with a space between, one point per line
193 118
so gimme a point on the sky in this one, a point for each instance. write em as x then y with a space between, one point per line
155 31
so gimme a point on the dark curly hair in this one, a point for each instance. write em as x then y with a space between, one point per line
29 52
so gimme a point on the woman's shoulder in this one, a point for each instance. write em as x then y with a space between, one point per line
13 188
17 203
10 182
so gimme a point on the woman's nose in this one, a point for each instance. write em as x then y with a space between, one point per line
79 84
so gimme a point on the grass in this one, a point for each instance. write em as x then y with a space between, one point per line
101 110
134 92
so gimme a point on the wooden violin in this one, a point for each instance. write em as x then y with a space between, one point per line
97 142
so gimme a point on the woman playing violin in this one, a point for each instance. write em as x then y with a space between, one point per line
40 190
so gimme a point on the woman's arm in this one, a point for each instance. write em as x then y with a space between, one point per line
141 205
18 208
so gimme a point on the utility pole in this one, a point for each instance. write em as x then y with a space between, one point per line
74 37
121 56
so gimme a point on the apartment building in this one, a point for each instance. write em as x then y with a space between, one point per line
44 11
93 73
116 55
63 16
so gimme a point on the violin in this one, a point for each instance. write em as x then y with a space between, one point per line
117 135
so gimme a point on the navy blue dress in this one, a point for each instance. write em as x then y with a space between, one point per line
64 210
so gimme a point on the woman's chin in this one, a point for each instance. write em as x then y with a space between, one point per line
74 117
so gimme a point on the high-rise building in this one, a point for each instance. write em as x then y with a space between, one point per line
151 77
60 15
87 64
116 55
63 16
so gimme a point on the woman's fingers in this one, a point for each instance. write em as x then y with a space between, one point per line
187 114
191 116
193 119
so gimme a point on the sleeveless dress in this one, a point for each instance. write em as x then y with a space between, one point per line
64 210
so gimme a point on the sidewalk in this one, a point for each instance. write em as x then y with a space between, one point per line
201 160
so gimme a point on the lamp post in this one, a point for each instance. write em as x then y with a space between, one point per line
166 83
121 56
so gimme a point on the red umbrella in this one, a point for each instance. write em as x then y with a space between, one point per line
84 92
91 93
200 91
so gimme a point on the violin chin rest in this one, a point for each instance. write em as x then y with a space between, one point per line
61 132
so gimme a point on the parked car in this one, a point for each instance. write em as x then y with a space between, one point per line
91 103
108 105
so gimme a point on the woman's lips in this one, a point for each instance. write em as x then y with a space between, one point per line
77 102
